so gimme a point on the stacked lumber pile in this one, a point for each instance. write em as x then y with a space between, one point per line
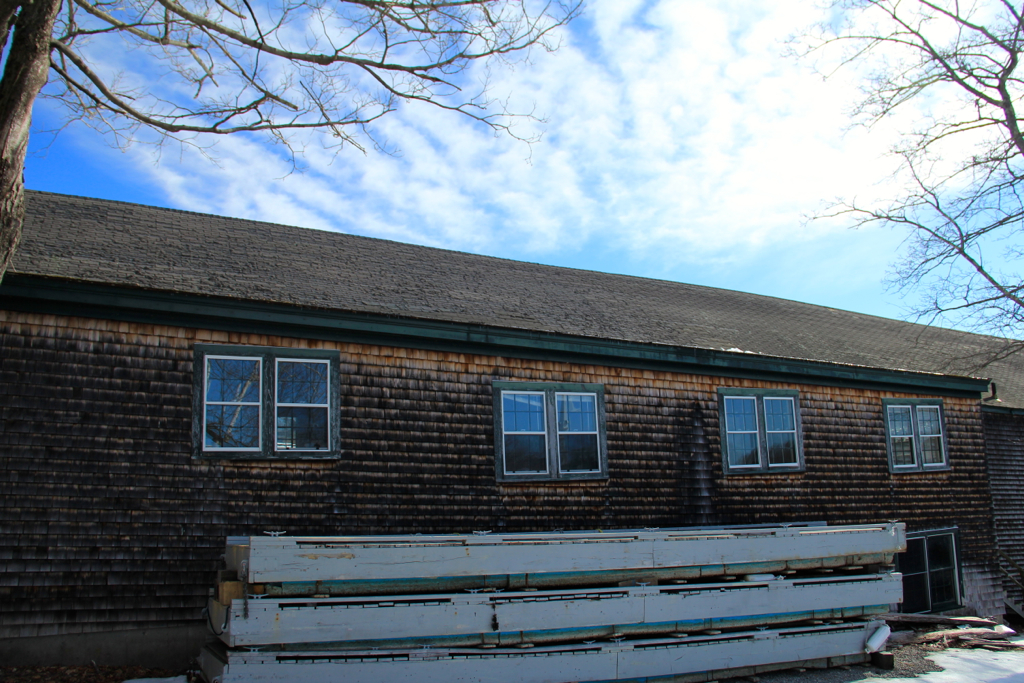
697 604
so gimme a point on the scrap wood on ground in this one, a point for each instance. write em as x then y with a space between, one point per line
968 632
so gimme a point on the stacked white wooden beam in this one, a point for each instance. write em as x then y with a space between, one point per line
698 659
335 603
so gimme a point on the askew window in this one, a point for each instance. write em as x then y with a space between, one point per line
915 437
931 572
760 430
552 431
265 402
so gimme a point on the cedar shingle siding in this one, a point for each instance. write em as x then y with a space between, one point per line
114 525
1004 441
111 523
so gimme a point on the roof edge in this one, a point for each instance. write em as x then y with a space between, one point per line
75 298
1002 410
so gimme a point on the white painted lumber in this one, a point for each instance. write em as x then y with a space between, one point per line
284 621
597 662
366 558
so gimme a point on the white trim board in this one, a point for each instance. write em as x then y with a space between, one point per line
588 662
382 558
546 616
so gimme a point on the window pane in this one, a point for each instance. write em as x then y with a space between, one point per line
782 449
578 452
931 449
902 451
912 561
928 420
778 415
743 449
232 426
915 593
235 380
940 552
577 413
525 453
302 429
943 589
740 415
523 412
899 421
299 382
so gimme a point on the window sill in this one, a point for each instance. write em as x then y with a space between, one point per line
547 479
774 470
264 457
920 470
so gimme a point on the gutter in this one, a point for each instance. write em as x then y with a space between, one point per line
53 296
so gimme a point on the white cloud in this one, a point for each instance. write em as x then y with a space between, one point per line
678 138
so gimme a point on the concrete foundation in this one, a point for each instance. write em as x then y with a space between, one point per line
983 591
171 648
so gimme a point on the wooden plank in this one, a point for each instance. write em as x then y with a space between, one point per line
228 591
936 619
546 616
354 558
629 660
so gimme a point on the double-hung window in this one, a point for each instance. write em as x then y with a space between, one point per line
760 430
915 438
264 402
549 431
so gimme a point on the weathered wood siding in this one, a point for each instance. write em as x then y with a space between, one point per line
109 523
847 478
1004 440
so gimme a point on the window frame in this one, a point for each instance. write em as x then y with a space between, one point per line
915 404
550 391
759 396
924 536
269 358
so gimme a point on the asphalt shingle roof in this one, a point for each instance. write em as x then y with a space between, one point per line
108 242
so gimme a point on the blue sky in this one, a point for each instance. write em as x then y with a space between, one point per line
680 143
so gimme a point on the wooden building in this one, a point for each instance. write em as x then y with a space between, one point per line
170 379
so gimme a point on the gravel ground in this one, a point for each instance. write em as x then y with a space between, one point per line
910 661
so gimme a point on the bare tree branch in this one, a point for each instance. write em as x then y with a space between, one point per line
960 201
154 70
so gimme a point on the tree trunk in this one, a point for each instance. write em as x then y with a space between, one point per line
28 63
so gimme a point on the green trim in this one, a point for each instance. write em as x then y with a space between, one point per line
764 467
739 391
554 473
918 466
65 297
268 403
541 386
1002 410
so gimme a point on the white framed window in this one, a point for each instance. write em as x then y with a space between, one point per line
549 431
525 432
302 422
265 402
742 432
915 437
760 430
579 445
780 431
232 390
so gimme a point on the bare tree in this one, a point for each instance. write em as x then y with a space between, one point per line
962 166
192 69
